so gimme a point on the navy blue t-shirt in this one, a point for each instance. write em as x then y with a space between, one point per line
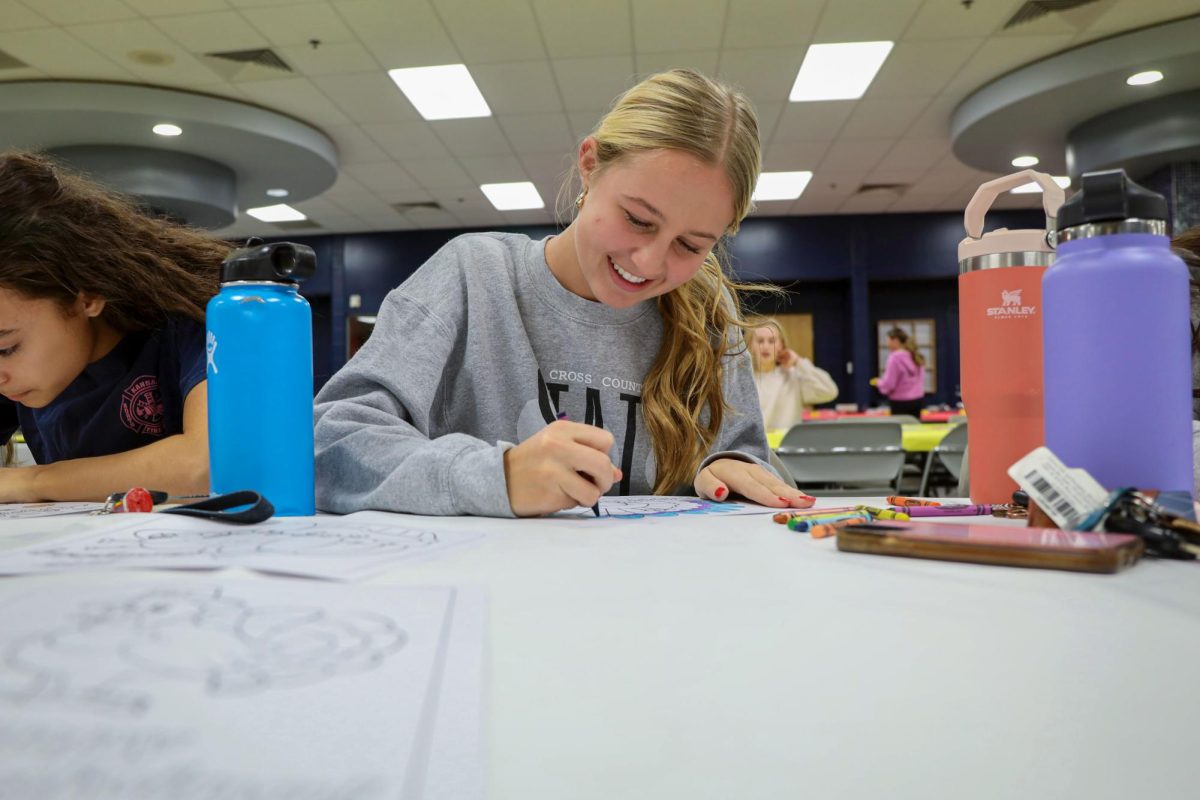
130 398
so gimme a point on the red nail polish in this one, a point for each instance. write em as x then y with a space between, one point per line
720 493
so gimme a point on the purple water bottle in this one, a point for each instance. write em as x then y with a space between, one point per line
1118 379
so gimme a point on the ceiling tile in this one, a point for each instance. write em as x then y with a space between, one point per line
912 201
662 25
518 87
436 172
584 28
875 202
494 169
865 20
766 75
538 133
157 8
299 24
883 116
382 177
584 122
354 146
56 52
117 40
934 119
921 68
15 17
907 176
218 32
844 156
791 156
498 30
368 97
915 153
472 137
801 122
947 19
73 12
407 34
771 23
588 83
405 140
297 97
1115 17
339 58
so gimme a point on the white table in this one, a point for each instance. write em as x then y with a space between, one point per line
710 657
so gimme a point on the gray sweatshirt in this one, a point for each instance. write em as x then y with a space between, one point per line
480 349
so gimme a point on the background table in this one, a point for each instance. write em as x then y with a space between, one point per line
918 438
710 657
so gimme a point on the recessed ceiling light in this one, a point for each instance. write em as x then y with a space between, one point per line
445 92
1143 78
838 71
513 196
1025 161
277 192
1031 187
278 213
167 129
780 185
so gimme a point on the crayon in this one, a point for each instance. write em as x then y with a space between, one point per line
896 500
831 528
595 508
883 513
948 511
808 524
783 516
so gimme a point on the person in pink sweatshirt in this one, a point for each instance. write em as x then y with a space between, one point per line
903 381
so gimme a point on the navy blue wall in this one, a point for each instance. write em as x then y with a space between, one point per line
847 271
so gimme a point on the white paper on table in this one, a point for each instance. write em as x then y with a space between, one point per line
338 548
186 688
32 510
650 506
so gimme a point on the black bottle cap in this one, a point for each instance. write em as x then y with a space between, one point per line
1109 196
280 262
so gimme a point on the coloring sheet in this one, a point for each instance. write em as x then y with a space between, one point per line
186 688
30 510
649 506
338 548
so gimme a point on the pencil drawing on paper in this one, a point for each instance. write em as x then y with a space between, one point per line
154 541
639 506
113 656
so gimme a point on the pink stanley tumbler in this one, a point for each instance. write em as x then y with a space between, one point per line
1000 332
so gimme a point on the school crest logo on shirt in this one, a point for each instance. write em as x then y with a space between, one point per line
142 406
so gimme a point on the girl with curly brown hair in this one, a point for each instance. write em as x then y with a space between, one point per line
102 360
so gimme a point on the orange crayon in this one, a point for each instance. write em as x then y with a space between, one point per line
830 528
895 500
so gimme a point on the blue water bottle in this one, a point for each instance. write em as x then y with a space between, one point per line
260 378
1117 335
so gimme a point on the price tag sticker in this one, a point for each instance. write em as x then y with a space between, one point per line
1068 496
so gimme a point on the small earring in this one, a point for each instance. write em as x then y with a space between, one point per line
579 200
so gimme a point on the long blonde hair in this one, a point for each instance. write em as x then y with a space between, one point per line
683 110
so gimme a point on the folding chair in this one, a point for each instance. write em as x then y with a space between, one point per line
849 458
950 453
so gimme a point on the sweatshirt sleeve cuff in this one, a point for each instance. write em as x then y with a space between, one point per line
476 481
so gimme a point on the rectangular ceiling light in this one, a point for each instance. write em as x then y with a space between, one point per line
838 71
513 196
780 185
278 213
445 92
1029 188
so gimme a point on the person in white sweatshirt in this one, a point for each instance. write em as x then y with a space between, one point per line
787 382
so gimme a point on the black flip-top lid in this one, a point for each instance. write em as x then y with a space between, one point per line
1109 196
279 262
